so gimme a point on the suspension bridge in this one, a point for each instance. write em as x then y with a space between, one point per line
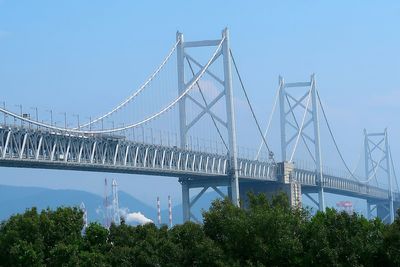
190 96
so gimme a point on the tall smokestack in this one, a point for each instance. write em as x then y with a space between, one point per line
115 203
106 213
158 211
85 216
170 211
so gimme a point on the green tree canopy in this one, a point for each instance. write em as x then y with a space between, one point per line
267 233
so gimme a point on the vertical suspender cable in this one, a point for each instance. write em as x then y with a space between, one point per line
144 121
340 153
251 108
333 138
269 122
137 92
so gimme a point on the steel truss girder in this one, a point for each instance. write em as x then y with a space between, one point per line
342 186
31 147
45 149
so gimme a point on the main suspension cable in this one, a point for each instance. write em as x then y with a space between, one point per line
358 161
206 104
375 168
271 154
148 119
137 92
269 122
334 141
394 171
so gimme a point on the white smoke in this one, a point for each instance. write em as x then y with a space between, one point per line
134 217
137 217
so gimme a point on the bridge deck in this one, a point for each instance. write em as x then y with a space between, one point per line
44 149
32 148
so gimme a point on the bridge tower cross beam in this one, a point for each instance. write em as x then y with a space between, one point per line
378 143
289 103
229 123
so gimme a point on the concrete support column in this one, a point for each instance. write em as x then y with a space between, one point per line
290 186
285 184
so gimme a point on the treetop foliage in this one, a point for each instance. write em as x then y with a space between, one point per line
267 233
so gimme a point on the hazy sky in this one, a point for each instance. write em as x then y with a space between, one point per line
85 56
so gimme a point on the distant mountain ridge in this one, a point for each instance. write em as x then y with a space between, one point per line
16 199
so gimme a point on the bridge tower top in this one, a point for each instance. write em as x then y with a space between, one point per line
375 144
184 63
294 130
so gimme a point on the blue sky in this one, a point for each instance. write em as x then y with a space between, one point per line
85 56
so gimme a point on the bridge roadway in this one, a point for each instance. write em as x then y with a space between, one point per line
28 147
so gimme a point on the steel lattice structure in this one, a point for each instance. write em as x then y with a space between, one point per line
32 148
24 147
49 147
288 104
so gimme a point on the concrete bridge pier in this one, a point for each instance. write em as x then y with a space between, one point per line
285 184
